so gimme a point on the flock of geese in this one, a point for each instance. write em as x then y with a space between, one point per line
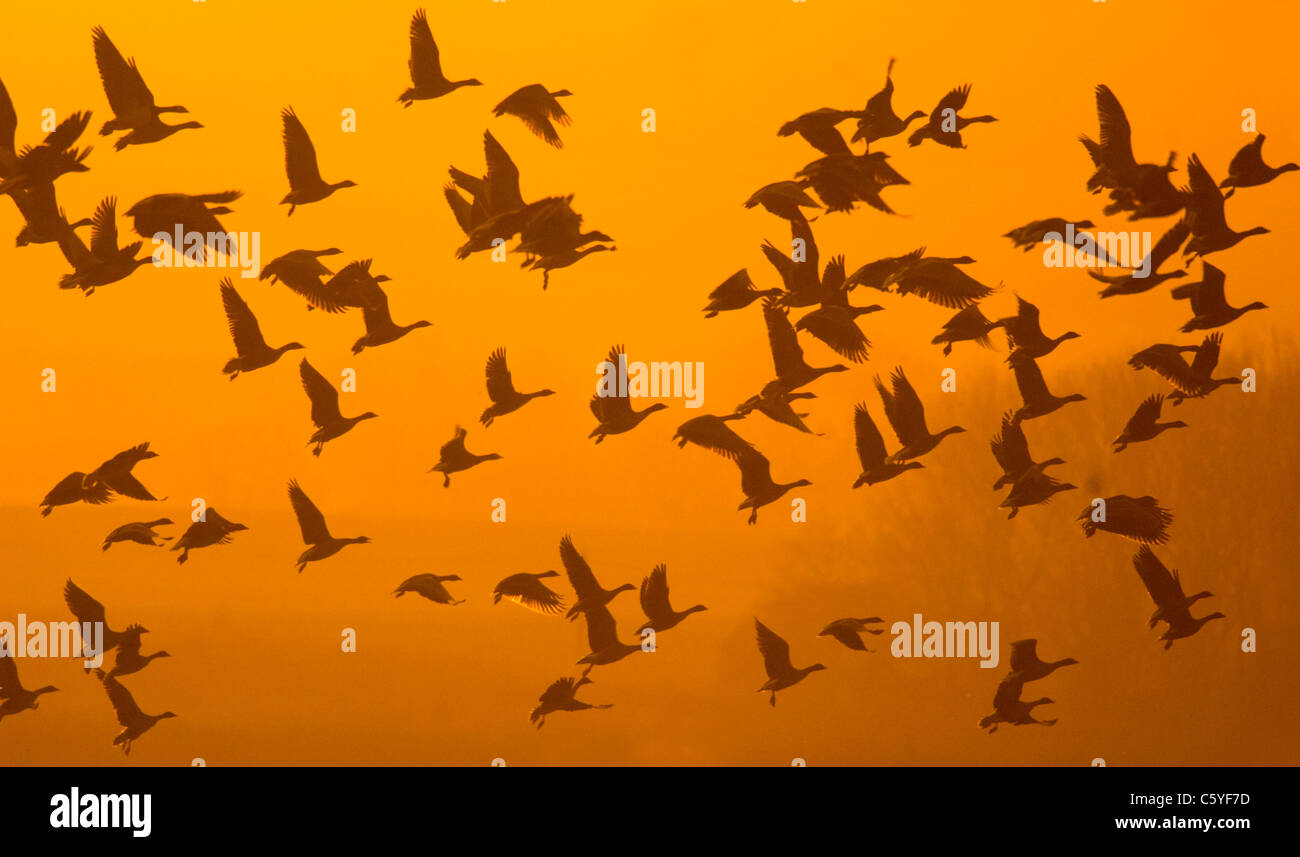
490 211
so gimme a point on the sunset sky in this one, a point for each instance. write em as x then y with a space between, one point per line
256 674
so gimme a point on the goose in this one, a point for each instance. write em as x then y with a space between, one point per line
129 660
660 615
787 356
426 69
501 390
836 326
1209 307
527 590
33 166
104 262
944 125
1210 230
1026 665
1185 625
43 220
430 586
802 283
1247 168
140 532
906 415
72 489
552 227
555 214
941 282
817 127
1038 400
1035 232
784 199
559 696
1140 519
1011 450
602 636
1165 588
315 534
537 106
129 97
615 414
1143 190
1192 381
844 179
353 287
251 350
494 194
712 433
880 274
134 722
298 264
1033 488
454 458
325 414
776 661
1008 707
563 259
848 631
87 610
590 594
774 402
1134 282
212 530
116 473
877 465
165 213
756 482
736 292
968 325
1025 337
880 120
1143 424
16 698
305 182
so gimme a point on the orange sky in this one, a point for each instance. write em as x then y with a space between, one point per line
256 674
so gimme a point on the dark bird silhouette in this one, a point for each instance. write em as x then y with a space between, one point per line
736 292
1166 590
132 103
944 125
501 390
1140 519
1011 450
880 120
1210 230
251 350
615 414
836 326
300 270
775 403
787 356
116 474
537 107
712 433
134 721
380 328
818 129
427 79
784 199
104 262
527 590
496 193
660 615
880 274
906 414
1143 190
72 489
43 221
305 182
429 586
560 697
88 610
315 534
212 530
1248 169
454 458
140 532
602 637
353 287
877 465
1008 707
129 660
1209 306
968 325
849 631
1133 282
1033 488
31 167
330 422
939 280
844 179
590 594
1038 400
756 482
1026 666
1035 232
1190 381
162 214
1144 425
14 698
1024 335
776 661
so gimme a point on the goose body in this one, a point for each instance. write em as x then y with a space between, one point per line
1144 424
848 631
906 414
589 594
781 673
501 390
429 586
325 414
134 722
427 79
527 590
213 530
1038 400
454 458
1209 306
559 696
315 534
251 349
14 698
139 532
659 612
305 182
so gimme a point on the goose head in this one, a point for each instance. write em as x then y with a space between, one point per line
1076 397
292 346
951 430
814 668
561 93
449 577
344 183
623 587
549 573
368 415
166 715
1254 305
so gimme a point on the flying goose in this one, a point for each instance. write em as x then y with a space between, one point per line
660 615
968 325
72 489
128 659
877 465
836 326
1143 190
305 182
906 415
818 129
844 179
784 199
561 259
116 473
1190 381
1011 450
1008 707
380 328
1035 232
776 661
315 534
1209 307
104 262
1025 663
1143 424
756 482
527 590
1024 335
939 281
712 433
325 414
129 97
134 721
615 414
301 271
34 166
1133 282
1210 230
736 292
1038 400
453 457
944 125
1033 488
848 631
537 106
211 530
602 636
590 594
430 586
426 70
251 350
501 390
164 213
560 697
1140 519
880 120
17 698
496 193
88 610
1248 169
774 402
140 532
787 356
43 221
1166 590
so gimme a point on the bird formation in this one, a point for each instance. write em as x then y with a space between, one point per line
491 211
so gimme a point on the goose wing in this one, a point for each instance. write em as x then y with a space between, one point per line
502 179
1010 447
455 448
527 591
870 445
241 321
1147 412
602 631
1116 142
904 410
82 605
580 576
1168 244
1205 204
10 686
654 594
123 85
787 355
1029 378
941 283
775 651
128 713
310 520
425 67
299 153
500 388
103 234
955 100
1159 581
1207 356
324 398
